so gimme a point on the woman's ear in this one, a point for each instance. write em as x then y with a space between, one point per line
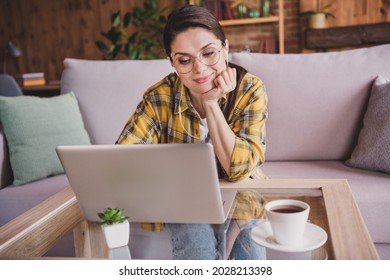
170 60
227 45
227 51
174 69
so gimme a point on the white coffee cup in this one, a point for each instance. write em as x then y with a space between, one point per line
288 219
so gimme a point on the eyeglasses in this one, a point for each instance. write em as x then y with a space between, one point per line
209 57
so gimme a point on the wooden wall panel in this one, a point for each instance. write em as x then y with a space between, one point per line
49 31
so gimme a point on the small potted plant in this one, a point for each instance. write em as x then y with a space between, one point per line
116 227
317 18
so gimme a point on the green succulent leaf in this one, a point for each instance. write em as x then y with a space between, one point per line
111 216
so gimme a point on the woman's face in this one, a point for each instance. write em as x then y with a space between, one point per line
188 49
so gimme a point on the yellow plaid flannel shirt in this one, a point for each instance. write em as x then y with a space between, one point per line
156 120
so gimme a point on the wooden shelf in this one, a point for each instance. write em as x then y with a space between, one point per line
42 87
47 90
347 36
246 21
278 19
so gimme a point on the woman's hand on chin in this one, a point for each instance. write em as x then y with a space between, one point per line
224 83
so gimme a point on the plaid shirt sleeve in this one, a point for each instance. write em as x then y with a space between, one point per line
248 124
150 118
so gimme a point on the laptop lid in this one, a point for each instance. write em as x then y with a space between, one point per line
170 183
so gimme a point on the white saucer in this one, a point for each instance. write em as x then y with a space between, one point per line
317 254
314 237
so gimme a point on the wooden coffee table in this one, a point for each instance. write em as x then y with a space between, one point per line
333 208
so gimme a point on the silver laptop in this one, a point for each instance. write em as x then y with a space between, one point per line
169 183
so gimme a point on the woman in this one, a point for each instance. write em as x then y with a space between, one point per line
206 100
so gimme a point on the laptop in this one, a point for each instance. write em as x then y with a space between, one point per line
168 183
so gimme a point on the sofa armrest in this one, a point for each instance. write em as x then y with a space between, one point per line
5 167
36 231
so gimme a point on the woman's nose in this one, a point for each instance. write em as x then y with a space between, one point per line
198 66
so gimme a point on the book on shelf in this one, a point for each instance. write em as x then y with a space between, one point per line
219 8
33 75
226 10
34 82
267 44
33 79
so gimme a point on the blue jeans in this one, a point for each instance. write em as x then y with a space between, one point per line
245 248
200 242
193 242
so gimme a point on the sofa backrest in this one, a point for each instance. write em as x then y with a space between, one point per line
316 101
109 91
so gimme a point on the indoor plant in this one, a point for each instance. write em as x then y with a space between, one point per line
136 35
116 227
317 18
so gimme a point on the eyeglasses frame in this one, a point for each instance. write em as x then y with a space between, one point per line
198 57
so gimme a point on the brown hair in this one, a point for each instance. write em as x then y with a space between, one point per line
190 16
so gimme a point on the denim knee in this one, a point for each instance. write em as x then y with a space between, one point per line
245 248
193 241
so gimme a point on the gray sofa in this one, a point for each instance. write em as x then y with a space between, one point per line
317 103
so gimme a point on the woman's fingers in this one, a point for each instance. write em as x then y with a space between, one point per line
226 81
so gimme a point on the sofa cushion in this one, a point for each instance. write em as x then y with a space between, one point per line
373 148
316 101
33 128
116 87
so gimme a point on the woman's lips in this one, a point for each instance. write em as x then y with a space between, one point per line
204 79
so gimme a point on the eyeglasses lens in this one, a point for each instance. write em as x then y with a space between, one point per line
208 57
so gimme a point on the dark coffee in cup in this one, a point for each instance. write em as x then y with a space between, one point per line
287 209
288 219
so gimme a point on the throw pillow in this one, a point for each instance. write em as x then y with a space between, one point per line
372 151
33 127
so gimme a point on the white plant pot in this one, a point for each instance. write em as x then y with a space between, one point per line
317 21
117 235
